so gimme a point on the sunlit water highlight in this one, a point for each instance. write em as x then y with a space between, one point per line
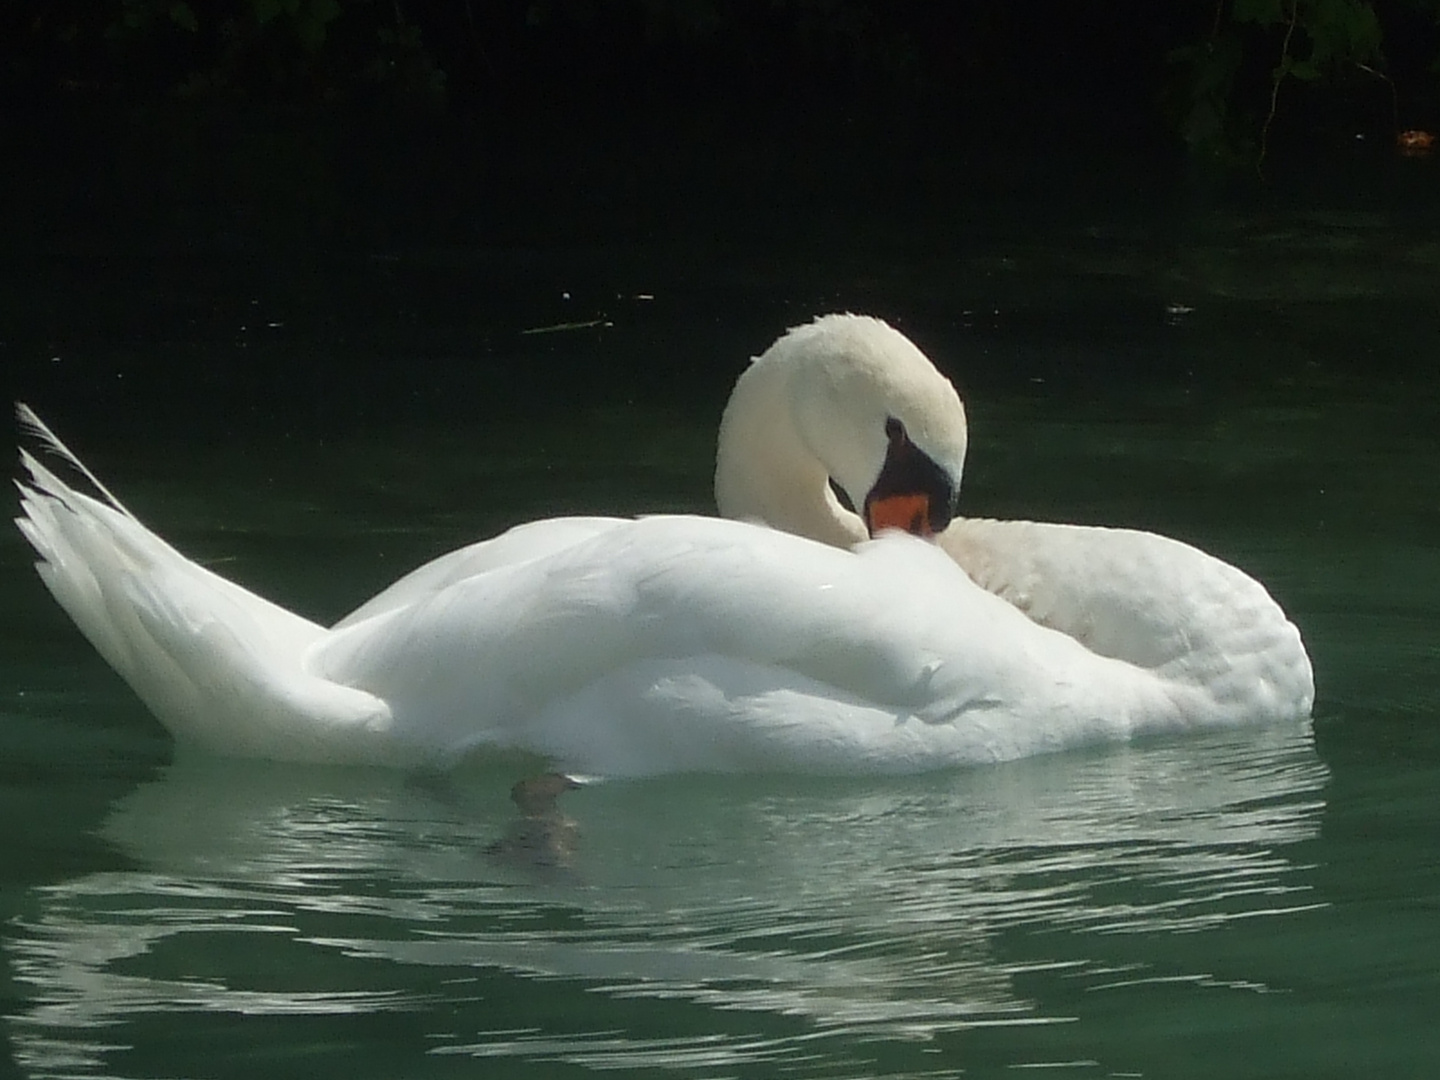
835 913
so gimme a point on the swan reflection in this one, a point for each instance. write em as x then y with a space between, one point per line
893 910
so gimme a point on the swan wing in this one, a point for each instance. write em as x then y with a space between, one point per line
523 543
677 643
1155 602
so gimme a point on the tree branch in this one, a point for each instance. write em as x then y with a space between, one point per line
1281 70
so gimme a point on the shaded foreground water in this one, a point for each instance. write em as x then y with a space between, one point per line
1253 903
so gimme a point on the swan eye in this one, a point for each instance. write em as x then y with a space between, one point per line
894 429
842 497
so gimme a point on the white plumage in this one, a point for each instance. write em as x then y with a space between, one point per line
679 643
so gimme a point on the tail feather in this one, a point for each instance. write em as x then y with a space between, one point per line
218 665
32 426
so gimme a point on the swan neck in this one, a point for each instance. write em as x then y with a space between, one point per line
765 472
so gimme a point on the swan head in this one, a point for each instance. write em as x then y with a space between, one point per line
840 430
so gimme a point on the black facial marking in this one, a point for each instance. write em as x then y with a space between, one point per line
908 470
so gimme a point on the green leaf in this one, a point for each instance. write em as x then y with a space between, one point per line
1305 70
1368 34
1343 30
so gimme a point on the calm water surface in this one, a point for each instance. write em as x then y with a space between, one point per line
1249 904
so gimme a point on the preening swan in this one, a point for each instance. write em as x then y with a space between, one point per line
784 638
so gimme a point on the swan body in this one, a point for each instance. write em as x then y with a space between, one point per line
684 643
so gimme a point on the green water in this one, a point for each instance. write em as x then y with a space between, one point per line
1257 903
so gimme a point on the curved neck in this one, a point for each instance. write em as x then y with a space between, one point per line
765 472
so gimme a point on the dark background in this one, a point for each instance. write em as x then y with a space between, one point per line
328 216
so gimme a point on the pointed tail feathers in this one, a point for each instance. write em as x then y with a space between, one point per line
218 665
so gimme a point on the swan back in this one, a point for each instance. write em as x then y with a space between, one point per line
679 643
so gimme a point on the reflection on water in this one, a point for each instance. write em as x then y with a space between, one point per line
831 914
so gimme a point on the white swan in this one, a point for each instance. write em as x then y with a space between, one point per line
626 647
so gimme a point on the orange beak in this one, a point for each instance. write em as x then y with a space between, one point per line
909 512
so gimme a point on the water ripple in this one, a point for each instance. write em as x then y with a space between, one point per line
778 923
